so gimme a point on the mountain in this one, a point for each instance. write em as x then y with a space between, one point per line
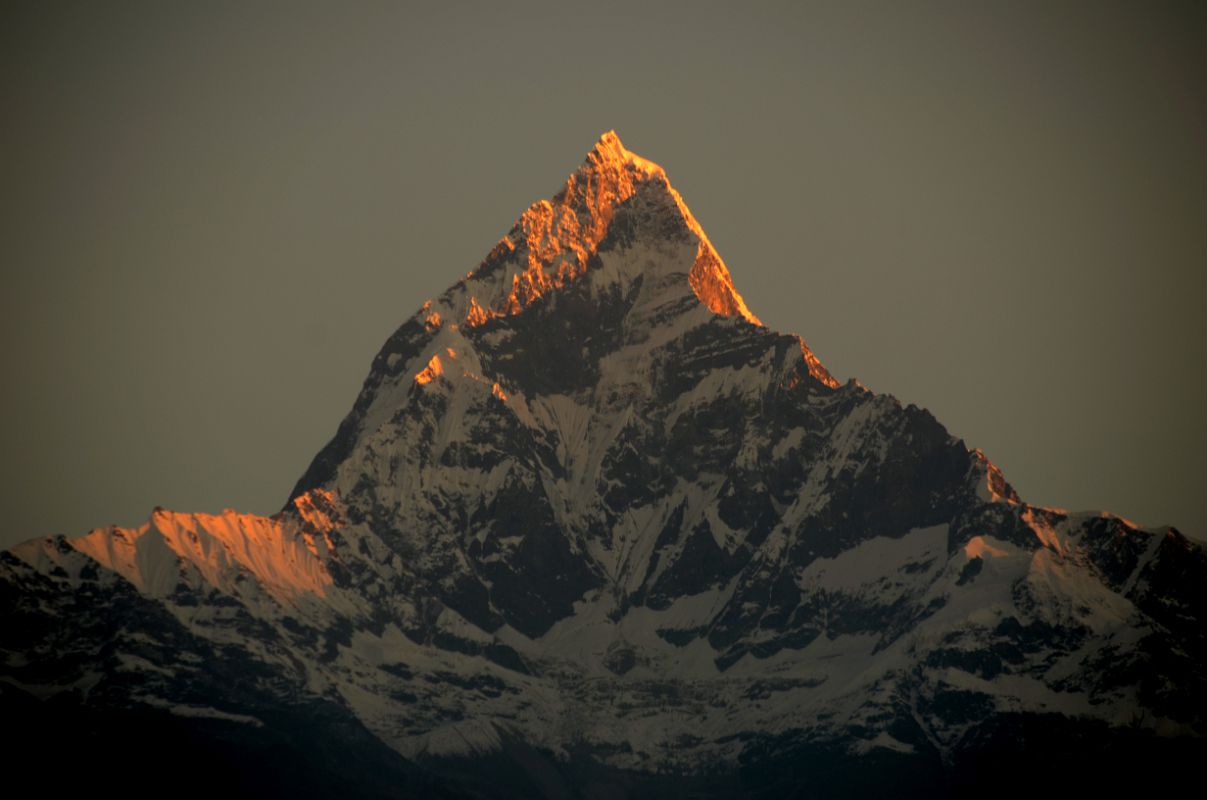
592 530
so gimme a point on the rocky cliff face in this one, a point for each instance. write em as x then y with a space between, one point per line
588 525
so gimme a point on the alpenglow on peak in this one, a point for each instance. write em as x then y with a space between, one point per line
615 255
615 196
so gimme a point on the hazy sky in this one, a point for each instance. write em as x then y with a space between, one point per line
214 215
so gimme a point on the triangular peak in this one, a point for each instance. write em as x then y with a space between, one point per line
553 241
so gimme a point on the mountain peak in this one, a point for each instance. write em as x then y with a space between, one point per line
609 151
598 274
622 173
555 241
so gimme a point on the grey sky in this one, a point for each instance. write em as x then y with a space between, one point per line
214 214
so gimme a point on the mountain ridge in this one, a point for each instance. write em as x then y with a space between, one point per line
589 520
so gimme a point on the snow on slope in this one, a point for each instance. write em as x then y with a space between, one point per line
587 501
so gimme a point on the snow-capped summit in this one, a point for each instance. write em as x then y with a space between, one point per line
614 193
590 528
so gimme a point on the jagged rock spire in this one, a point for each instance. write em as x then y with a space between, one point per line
554 240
